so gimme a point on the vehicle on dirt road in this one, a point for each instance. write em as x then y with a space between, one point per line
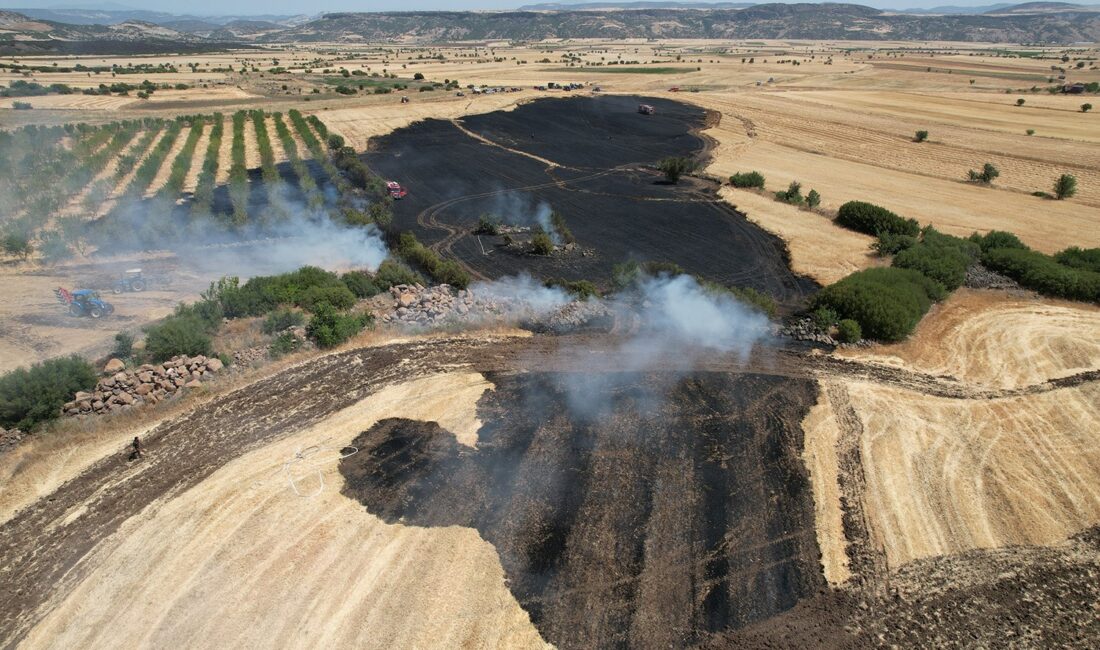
131 280
396 191
84 302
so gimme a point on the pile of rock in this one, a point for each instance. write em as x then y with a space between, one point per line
980 277
805 330
10 438
415 304
251 356
577 315
122 389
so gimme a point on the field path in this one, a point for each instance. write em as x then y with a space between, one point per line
165 169
192 178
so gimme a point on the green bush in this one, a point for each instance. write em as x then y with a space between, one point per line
181 334
747 179
941 257
285 343
361 284
1080 258
339 296
28 397
541 244
329 328
886 302
792 195
891 244
921 136
1044 274
848 331
124 346
582 289
445 271
823 318
392 273
997 239
874 220
282 319
488 224
561 228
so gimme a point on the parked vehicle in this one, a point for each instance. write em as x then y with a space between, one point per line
84 302
396 191
131 280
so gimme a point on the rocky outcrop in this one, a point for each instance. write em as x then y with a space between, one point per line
146 384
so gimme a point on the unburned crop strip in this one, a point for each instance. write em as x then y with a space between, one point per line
301 170
148 169
238 172
317 150
267 163
204 187
127 162
182 164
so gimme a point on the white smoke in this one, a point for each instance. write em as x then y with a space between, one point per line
521 296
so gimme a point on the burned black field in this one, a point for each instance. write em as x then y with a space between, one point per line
628 509
590 160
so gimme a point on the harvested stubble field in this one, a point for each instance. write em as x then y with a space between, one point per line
937 492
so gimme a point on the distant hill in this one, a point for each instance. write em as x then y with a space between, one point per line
1052 23
21 34
641 4
1032 8
772 21
114 16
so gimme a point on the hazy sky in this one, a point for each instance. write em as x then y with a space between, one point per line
241 7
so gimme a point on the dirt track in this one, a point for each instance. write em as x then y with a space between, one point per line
183 452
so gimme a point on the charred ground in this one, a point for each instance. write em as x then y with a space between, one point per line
590 160
628 509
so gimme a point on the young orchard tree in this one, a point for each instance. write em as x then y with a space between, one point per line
1020 101
1065 187
1086 107
921 136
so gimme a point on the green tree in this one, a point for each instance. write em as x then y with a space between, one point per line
813 199
18 244
1020 101
1065 187
675 167
986 176
1086 107
921 136
419 76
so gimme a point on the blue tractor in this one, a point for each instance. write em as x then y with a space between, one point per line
85 302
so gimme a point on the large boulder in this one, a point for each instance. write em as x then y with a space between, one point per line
214 365
113 366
